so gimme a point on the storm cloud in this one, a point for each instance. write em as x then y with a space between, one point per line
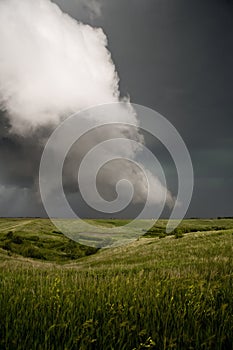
50 67
175 57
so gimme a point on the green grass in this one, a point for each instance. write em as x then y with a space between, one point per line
152 294
38 239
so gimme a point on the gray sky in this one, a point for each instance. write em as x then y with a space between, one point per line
175 56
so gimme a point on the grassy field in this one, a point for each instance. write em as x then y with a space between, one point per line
160 292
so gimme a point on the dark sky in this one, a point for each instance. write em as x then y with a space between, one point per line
175 56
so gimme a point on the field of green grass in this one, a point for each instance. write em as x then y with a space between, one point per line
160 292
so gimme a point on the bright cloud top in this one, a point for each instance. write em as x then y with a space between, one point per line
51 64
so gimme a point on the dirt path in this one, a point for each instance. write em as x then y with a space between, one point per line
22 223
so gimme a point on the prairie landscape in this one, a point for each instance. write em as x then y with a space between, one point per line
116 109
160 292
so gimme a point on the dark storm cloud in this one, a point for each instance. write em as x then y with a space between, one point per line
20 155
176 57
173 56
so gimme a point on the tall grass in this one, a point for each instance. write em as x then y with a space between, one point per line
154 294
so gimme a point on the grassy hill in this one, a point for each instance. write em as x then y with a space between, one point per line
160 292
39 239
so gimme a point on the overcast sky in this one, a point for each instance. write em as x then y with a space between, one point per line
174 56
